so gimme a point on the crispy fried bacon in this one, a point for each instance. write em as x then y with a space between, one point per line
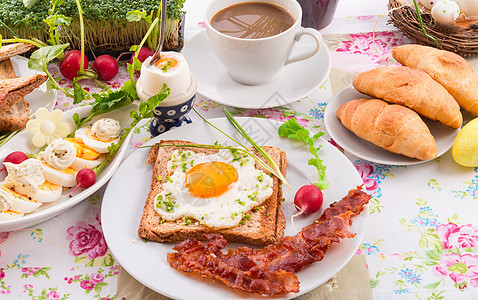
270 270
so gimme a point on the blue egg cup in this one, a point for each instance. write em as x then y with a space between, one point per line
167 117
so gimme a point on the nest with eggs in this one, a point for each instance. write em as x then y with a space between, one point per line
461 37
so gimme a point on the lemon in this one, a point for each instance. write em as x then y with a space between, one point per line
465 146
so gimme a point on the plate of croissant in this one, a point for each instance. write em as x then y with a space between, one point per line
407 114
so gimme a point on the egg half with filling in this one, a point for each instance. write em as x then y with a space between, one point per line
100 135
216 190
57 159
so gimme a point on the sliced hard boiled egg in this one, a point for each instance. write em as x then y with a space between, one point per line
19 202
66 178
47 192
86 136
80 163
85 156
6 215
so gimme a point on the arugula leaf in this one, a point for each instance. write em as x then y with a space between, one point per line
40 58
79 94
293 130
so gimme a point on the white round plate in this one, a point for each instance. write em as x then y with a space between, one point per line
297 80
122 207
22 142
41 96
444 135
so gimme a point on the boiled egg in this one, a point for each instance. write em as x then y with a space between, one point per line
7 215
100 135
16 201
85 156
66 177
45 192
216 190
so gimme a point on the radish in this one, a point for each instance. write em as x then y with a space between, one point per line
308 200
142 55
16 157
70 65
85 178
106 67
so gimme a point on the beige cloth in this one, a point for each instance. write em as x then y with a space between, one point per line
352 282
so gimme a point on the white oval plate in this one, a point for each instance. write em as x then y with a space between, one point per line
22 142
444 135
41 96
122 207
297 80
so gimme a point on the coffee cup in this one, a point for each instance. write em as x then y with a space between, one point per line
255 61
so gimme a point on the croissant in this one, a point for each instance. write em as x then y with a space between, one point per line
447 68
412 88
393 127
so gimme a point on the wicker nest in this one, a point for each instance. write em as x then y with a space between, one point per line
461 39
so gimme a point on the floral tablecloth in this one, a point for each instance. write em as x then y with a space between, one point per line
422 235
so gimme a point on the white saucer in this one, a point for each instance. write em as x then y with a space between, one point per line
297 80
444 135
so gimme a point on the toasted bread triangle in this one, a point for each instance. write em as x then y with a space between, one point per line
13 90
11 50
17 116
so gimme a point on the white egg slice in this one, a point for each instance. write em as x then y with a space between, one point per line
19 203
86 136
66 178
47 192
7 215
80 163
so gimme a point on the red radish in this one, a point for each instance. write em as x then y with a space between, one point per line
106 66
70 65
85 178
16 157
307 200
142 55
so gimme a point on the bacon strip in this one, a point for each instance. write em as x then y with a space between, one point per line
270 271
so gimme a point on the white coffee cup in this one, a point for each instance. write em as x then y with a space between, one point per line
258 61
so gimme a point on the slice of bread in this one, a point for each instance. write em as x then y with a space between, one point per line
17 116
14 89
265 226
11 50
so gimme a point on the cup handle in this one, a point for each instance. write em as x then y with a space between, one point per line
306 31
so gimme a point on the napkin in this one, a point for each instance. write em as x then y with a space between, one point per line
352 282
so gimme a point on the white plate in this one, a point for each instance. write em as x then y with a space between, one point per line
122 207
22 142
296 81
444 135
41 96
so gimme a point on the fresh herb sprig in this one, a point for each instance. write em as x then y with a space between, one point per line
293 130
145 111
274 169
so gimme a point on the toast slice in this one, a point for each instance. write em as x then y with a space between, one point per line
11 50
265 226
14 89
17 116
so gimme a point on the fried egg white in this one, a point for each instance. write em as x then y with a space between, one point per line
66 178
86 136
216 190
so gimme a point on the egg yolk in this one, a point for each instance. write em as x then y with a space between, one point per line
83 151
48 186
210 179
17 195
166 63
